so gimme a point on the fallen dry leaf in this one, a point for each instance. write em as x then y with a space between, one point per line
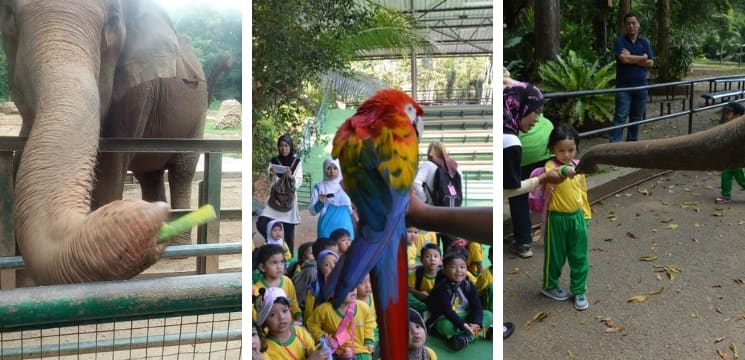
672 226
739 281
717 214
666 221
644 192
659 278
514 271
656 291
719 340
614 329
597 249
690 203
631 235
538 317
648 258
670 275
733 347
637 299
723 355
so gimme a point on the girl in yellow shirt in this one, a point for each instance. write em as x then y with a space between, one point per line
284 340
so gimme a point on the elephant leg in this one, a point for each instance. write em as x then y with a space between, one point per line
151 185
109 185
181 170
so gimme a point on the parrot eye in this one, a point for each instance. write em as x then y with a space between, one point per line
410 112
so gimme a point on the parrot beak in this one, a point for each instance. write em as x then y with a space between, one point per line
419 127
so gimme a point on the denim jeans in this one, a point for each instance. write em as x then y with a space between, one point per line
631 104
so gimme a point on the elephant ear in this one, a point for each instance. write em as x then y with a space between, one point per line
152 50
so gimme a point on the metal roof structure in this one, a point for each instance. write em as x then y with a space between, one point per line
458 27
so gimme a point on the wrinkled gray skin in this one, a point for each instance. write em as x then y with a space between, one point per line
78 69
718 148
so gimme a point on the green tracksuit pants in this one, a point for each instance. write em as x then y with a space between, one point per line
447 329
566 240
727 176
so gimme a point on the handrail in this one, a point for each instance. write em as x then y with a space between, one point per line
690 110
13 143
78 304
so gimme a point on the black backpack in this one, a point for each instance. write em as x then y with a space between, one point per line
282 194
444 187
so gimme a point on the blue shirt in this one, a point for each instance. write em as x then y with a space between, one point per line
628 75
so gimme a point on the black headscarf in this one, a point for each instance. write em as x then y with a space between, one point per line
285 160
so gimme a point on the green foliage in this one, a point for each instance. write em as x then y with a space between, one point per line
575 74
267 128
518 46
214 34
294 42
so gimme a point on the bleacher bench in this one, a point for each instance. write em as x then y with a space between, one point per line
722 96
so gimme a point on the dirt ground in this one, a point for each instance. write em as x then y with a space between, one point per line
665 278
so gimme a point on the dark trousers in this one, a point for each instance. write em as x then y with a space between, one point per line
520 212
289 230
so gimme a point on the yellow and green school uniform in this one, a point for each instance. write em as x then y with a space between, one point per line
565 234
286 284
484 285
475 257
298 347
428 282
326 320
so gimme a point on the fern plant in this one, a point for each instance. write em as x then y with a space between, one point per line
575 74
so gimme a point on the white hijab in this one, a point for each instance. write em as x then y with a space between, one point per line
269 238
333 186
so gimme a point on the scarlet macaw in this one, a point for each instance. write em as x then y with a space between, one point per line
378 149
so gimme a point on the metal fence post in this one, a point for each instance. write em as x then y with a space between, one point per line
7 235
209 193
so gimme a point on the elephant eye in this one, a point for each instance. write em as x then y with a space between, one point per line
113 20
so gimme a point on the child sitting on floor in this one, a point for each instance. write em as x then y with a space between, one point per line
411 253
275 232
423 278
455 306
324 265
349 329
271 263
283 338
417 338
343 240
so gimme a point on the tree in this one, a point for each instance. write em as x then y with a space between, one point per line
294 42
214 34
662 53
547 30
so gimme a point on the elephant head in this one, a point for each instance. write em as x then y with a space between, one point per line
68 62
718 148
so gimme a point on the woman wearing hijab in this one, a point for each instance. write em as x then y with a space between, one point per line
437 156
285 164
522 104
329 201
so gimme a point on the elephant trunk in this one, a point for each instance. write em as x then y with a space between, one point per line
687 152
62 242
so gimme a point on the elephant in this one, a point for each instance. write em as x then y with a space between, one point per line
79 70
717 148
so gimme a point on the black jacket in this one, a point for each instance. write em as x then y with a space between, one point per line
439 303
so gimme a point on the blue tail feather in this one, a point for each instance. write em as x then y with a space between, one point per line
369 249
